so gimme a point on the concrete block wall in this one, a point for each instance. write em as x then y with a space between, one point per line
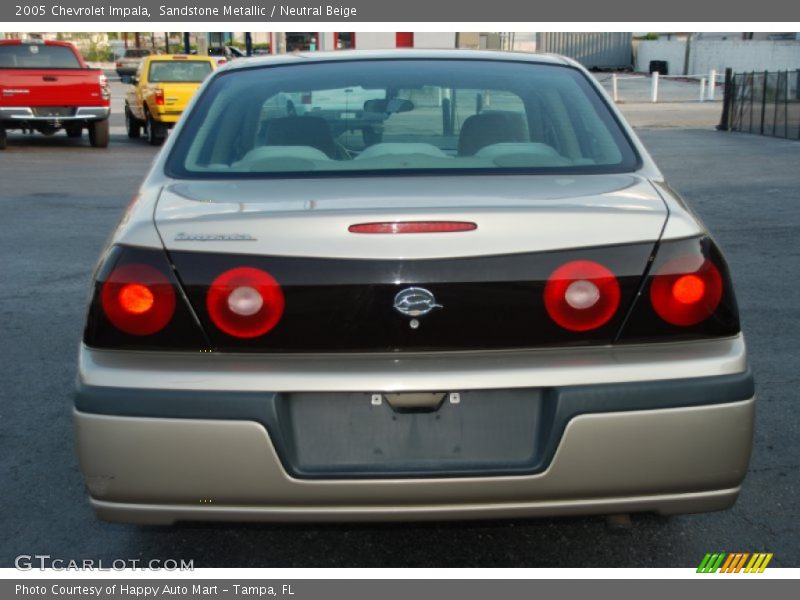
375 40
434 39
704 55
422 39
672 51
744 56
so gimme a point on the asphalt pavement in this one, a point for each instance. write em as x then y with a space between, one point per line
60 199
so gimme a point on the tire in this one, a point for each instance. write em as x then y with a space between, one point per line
99 134
132 124
3 138
155 132
74 131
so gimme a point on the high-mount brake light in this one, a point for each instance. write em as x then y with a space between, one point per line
245 302
138 299
686 290
581 295
413 227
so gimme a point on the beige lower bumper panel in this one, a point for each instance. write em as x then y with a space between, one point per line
667 460
164 514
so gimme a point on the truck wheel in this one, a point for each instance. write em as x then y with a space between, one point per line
3 138
132 124
155 132
74 131
98 134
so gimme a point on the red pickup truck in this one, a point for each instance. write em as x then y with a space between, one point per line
46 86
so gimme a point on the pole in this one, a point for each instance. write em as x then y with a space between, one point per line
248 43
727 100
764 101
166 42
712 83
654 87
187 43
614 88
702 89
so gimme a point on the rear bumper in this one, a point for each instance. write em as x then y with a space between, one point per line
166 116
162 438
82 113
159 470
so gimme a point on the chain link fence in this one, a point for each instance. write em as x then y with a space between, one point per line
765 103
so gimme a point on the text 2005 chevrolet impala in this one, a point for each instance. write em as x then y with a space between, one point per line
495 306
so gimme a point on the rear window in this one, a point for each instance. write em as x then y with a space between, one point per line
37 56
371 116
178 71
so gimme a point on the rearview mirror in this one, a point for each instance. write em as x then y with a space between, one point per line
389 106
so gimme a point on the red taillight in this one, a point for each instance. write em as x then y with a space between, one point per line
413 227
305 98
581 295
245 302
105 90
138 299
119 64
160 97
221 61
686 290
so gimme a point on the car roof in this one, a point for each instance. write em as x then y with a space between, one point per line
407 53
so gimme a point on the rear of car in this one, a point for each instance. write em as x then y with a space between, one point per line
129 62
222 55
497 309
46 87
161 89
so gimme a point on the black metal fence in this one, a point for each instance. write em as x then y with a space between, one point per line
765 103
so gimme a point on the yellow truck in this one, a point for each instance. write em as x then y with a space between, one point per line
160 91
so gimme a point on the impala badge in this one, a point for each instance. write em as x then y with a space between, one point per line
415 302
214 237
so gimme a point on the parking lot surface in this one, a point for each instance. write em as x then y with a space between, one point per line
59 200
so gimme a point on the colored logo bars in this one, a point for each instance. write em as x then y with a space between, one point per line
734 562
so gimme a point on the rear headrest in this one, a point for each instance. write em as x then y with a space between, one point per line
301 131
490 128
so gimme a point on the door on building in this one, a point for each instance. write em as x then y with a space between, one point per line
302 41
344 41
404 39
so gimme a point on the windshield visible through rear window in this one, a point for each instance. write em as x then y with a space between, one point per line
37 56
371 116
178 71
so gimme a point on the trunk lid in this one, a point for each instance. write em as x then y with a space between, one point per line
310 217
